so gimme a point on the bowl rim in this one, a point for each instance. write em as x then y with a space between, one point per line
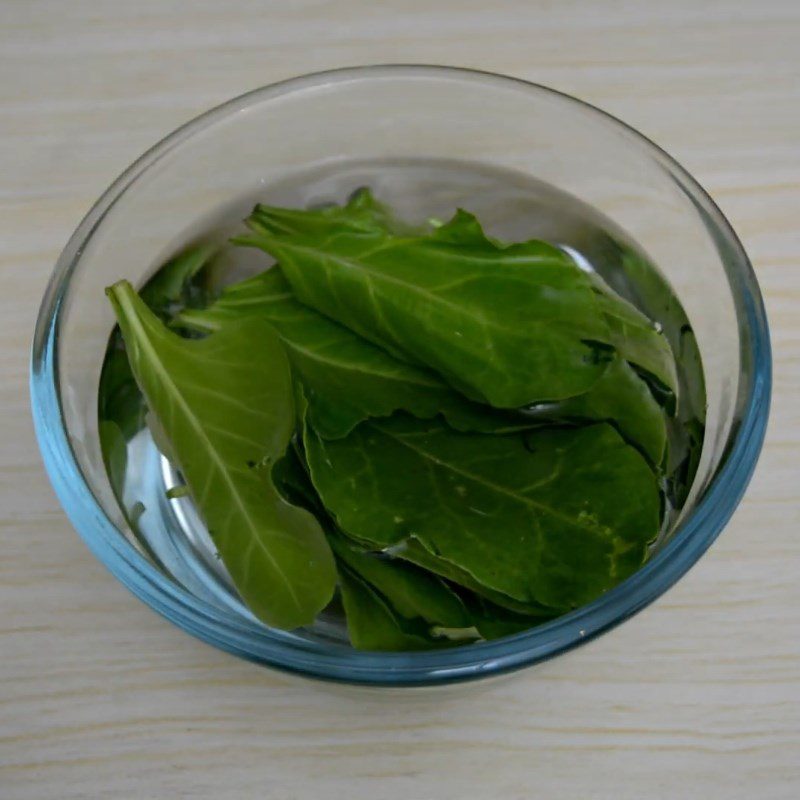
340 663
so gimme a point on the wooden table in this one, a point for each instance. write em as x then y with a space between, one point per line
697 697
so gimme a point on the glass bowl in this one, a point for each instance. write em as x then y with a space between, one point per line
335 123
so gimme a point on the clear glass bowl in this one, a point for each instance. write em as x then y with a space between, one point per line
390 113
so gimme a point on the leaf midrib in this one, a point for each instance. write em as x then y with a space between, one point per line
377 277
315 356
212 324
167 382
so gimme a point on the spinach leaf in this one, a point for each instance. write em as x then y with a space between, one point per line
415 551
621 398
114 448
508 325
120 400
550 517
290 476
346 379
493 621
686 438
653 293
409 593
619 395
371 622
636 339
185 278
184 281
363 213
412 592
275 553
472 618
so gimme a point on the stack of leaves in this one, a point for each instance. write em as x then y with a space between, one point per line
466 436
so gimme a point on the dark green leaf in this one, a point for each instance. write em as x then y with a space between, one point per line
552 517
345 378
621 398
114 448
414 551
176 284
653 293
508 325
275 553
372 624
493 621
685 447
407 593
119 398
411 592
637 340
290 476
408 597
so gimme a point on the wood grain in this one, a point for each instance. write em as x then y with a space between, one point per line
699 696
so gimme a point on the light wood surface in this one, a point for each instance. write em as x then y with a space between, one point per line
697 697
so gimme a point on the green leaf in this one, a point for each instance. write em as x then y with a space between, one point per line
119 398
411 592
493 621
223 412
415 551
114 447
686 438
551 517
619 395
653 293
407 592
290 476
394 619
636 339
177 284
345 378
508 325
684 450
363 212
121 408
417 594
621 398
371 622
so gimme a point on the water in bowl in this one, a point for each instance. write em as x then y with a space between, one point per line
512 207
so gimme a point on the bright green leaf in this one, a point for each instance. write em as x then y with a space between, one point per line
508 325
219 430
346 379
551 517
